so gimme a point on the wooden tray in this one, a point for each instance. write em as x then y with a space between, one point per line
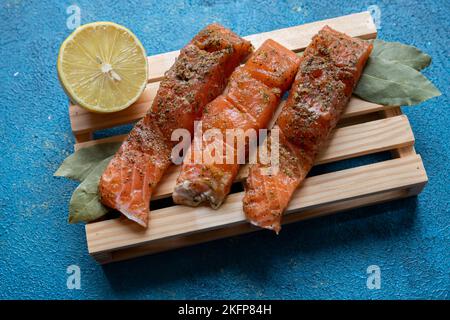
365 128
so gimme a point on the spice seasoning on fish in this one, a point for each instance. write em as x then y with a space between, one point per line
199 74
330 68
248 102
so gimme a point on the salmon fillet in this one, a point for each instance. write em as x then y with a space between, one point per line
248 103
199 75
328 72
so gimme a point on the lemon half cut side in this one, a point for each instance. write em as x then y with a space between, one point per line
102 66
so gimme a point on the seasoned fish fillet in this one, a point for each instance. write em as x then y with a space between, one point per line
329 70
248 102
197 77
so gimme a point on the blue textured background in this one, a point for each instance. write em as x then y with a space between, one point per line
322 258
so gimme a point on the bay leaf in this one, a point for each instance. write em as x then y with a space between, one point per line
400 53
390 83
79 164
85 205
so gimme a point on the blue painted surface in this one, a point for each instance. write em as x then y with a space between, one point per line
322 258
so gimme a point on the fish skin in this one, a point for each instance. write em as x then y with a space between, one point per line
329 71
199 75
249 101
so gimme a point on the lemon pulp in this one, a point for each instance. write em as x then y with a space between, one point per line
102 67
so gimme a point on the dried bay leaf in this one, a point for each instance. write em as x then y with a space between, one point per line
400 53
85 205
78 165
390 83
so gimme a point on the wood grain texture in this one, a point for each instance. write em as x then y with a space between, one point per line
406 150
87 121
327 189
82 120
237 229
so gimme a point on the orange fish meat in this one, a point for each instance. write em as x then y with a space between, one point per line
198 76
249 101
329 70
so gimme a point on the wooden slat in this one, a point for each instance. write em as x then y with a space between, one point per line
358 107
369 137
332 188
237 229
407 150
295 38
82 120
85 119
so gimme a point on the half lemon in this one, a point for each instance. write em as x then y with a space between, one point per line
102 66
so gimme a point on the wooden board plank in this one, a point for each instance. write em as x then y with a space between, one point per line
215 234
294 38
407 150
176 221
366 138
358 107
84 121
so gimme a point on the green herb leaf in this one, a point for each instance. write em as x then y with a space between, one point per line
85 205
400 53
78 165
389 83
